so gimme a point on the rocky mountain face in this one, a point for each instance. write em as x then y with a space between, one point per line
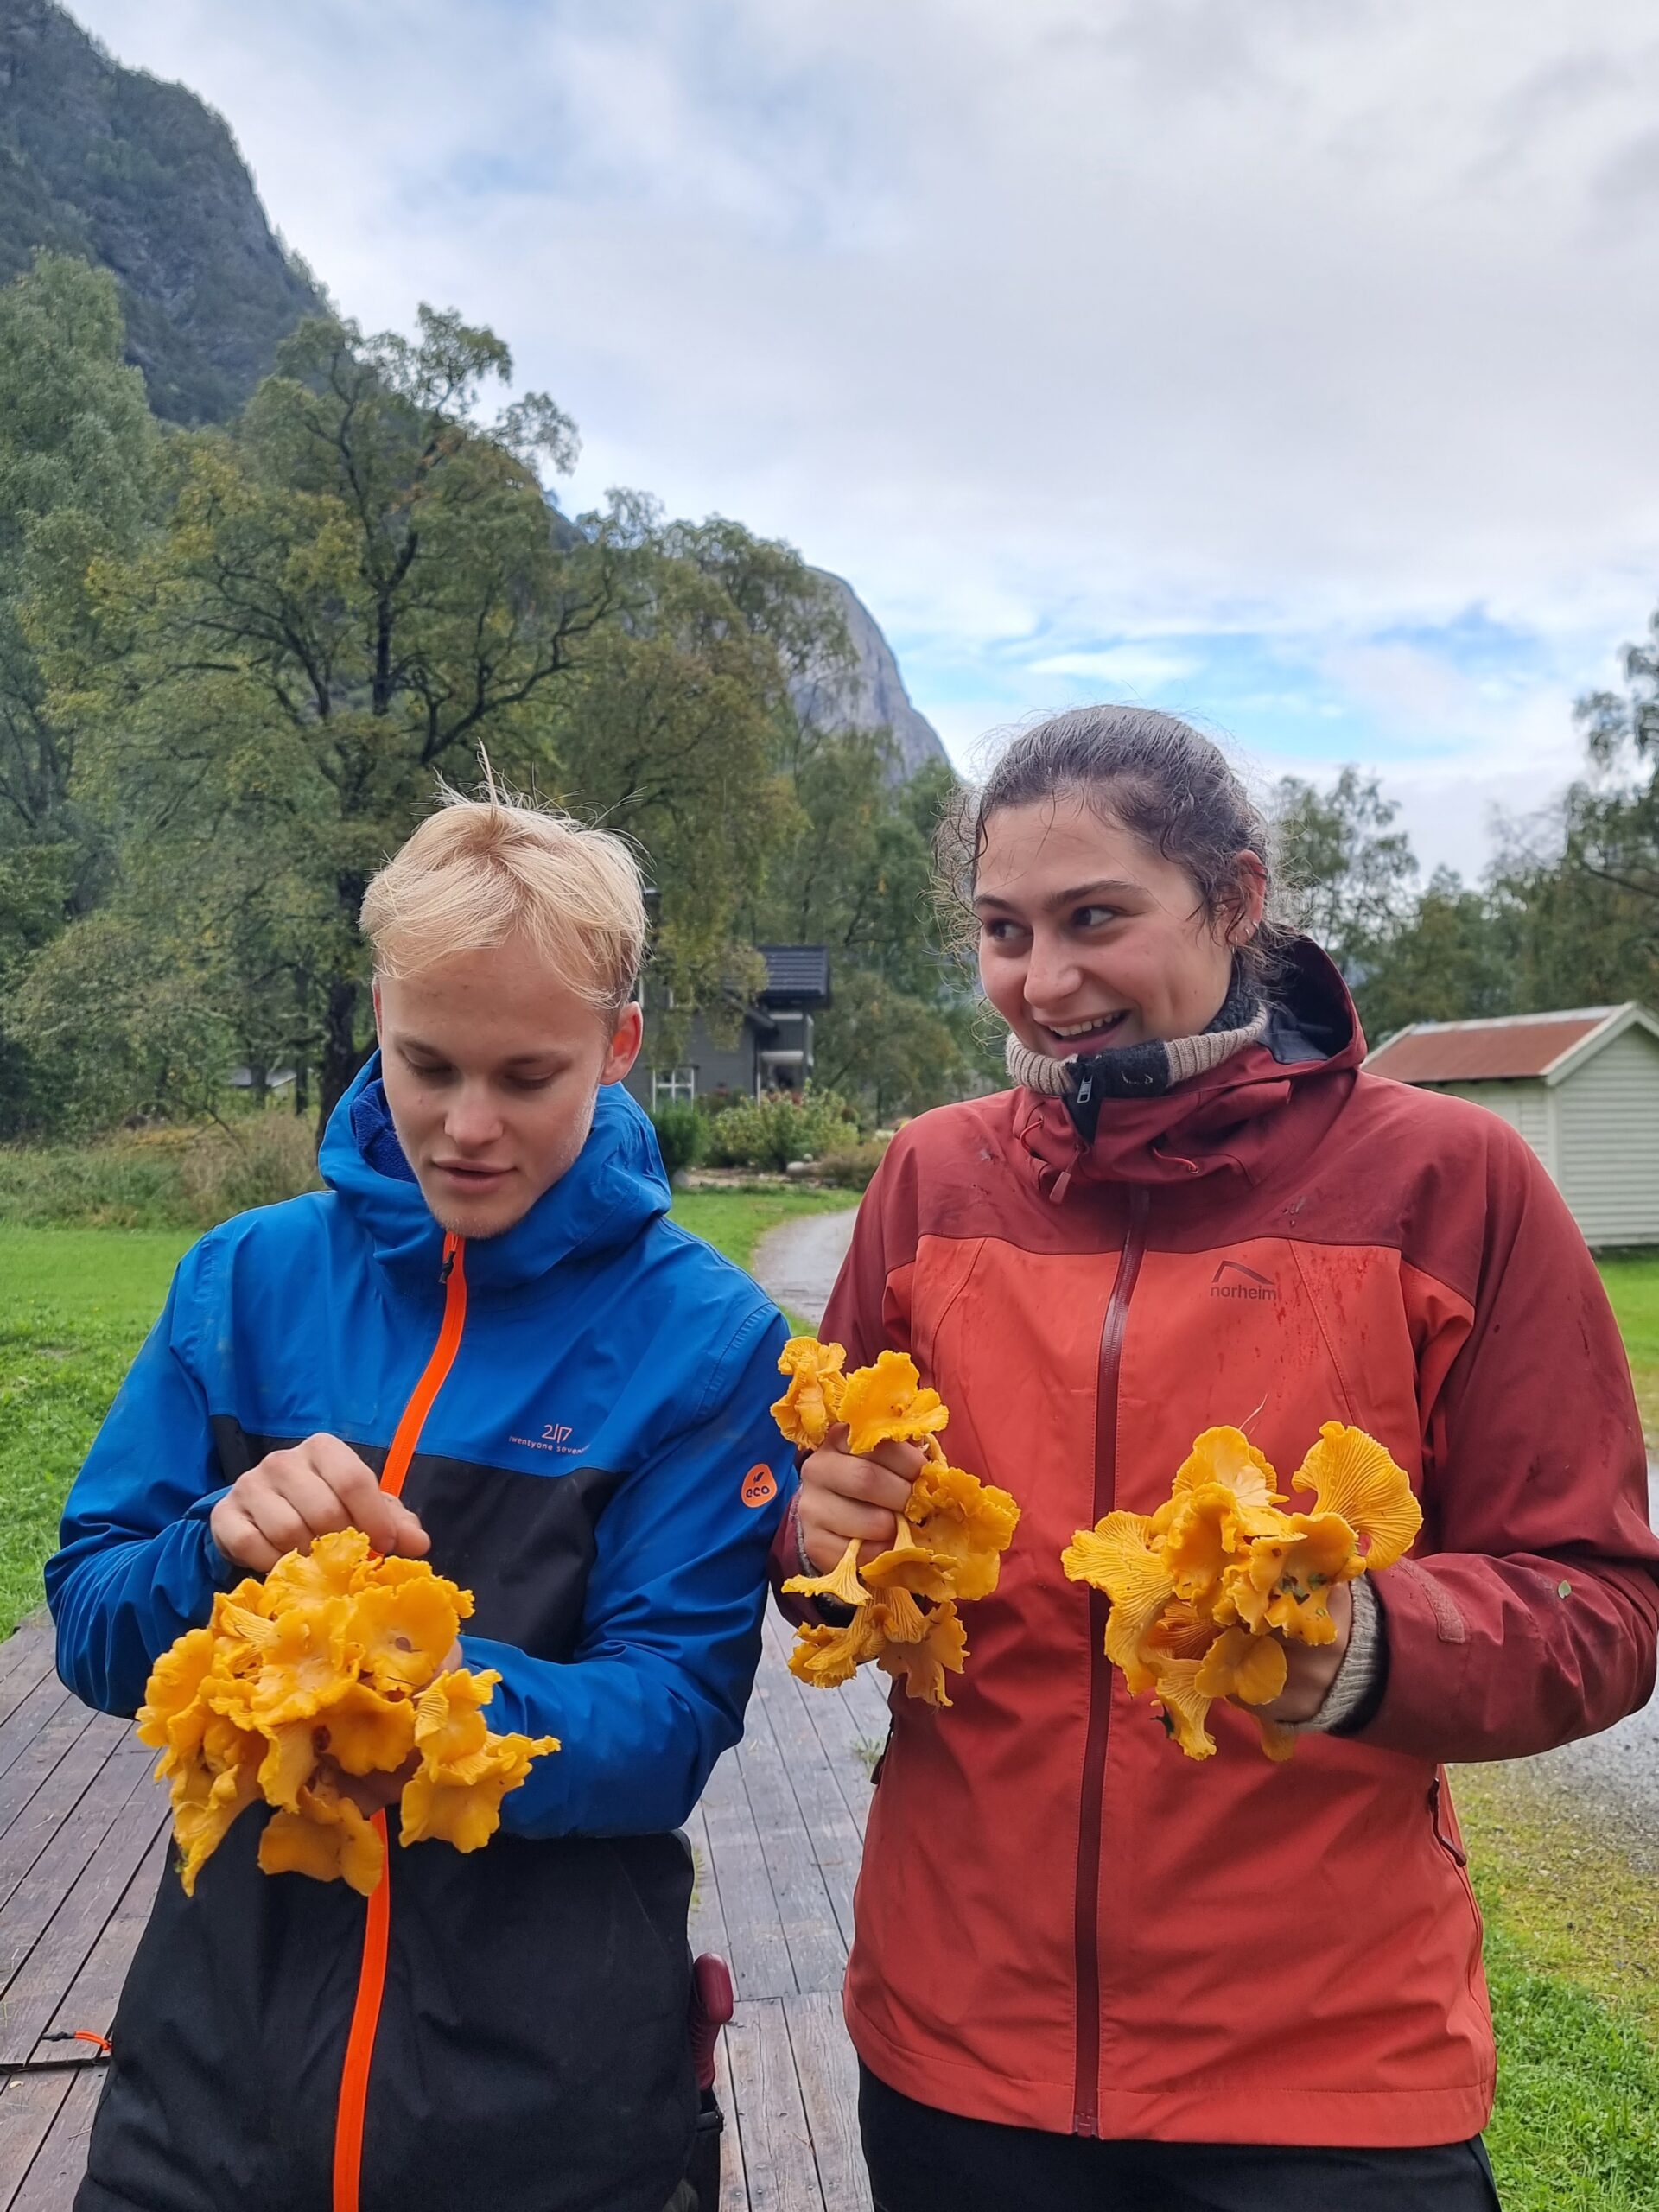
139 176
871 694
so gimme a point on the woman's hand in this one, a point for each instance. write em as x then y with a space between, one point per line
1312 1668
842 1497
309 1491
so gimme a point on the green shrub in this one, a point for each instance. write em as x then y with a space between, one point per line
267 1158
850 1167
682 1136
161 1178
769 1132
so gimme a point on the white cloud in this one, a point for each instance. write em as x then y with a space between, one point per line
1131 667
1068 331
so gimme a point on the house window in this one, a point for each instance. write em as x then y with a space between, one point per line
673 1086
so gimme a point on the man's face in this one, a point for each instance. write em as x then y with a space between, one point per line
491 1065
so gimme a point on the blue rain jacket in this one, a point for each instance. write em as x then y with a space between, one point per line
600 1468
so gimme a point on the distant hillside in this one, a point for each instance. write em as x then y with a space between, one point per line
143 178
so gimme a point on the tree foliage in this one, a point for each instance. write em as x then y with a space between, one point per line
253 651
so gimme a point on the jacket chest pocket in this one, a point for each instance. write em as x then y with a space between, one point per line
1011 1341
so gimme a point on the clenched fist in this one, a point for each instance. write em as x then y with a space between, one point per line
842 1497
309 1491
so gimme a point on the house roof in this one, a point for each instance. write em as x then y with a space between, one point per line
1510 1048
796 974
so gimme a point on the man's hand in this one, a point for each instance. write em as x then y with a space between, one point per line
373 1793
842 1497
1312 1668
310 1490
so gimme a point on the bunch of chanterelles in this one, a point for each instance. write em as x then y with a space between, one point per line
947 1547
1203 1590
331 1667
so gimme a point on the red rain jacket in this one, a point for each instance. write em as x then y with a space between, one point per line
1064 1923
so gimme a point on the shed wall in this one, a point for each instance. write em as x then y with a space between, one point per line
1608 1117
1524 1105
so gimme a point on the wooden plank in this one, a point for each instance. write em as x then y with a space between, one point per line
29 1717
708 1922
827 2071
734 2187
796 1728
57 1736
37 1895
778 2159
837 1730
758 1953
92 1997
848 1721
816 1950
27 1656
29 2105
59 2164
838 1741
866 1695
35 1991
834 1834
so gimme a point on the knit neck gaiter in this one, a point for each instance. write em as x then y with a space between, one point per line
1143 1070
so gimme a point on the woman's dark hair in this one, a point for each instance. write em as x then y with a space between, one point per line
1168 785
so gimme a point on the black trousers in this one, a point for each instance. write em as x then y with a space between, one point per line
923 2160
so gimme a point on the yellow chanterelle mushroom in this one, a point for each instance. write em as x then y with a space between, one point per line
947 1545
330 1667
1202 1590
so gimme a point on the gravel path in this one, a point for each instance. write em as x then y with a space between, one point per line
1619 1768
797 1263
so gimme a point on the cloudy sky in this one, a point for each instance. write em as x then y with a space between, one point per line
1288 365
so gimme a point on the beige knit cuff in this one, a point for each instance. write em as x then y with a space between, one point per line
1353 1683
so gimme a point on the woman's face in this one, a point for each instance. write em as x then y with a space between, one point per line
1089 938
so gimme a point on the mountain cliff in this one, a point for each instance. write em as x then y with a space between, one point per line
871 694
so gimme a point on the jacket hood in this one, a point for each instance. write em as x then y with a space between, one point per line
614 1187
1221 1120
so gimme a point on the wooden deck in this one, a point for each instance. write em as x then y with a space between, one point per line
83 1838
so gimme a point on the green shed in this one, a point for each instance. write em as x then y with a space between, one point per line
1581 1085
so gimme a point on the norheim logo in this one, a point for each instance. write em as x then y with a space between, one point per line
1232 1278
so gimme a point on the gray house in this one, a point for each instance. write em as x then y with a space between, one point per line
1581 1086
772 1050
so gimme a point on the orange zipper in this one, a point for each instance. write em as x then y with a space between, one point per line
376 1928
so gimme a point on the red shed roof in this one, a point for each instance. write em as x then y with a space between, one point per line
1512 1046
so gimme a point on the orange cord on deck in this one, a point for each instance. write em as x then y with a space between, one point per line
376 1928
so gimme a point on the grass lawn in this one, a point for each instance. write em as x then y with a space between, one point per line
1573 1948
1633 1286
1573 1960
74 1307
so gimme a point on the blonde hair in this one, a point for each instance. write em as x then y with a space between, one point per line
479 871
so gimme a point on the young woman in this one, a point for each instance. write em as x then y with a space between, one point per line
1088 1971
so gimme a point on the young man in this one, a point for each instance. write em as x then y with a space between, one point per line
484 1344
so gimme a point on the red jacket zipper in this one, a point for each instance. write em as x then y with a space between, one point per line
376 1926
1085 2095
